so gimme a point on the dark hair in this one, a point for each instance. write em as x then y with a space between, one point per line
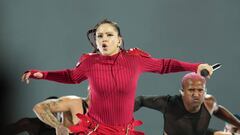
237 116
52 97
91 34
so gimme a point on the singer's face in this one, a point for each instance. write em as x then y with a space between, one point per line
107 39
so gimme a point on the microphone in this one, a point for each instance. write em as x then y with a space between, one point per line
205 72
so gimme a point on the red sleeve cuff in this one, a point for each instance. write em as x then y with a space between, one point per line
32 71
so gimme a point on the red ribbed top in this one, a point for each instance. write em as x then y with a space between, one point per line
113 81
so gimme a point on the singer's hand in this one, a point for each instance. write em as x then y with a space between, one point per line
26 76
207 67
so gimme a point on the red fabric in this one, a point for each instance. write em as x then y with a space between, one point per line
88 125
33 71
113 81
137 51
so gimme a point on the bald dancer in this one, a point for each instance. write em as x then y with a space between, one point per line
190 112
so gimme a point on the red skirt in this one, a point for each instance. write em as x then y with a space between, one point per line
87 126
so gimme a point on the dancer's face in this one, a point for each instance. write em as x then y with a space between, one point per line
193 92
108 40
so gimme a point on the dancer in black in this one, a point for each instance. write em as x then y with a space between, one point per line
190 112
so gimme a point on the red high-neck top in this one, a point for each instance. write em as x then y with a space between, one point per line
113 81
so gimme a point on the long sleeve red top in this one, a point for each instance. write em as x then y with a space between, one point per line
113 81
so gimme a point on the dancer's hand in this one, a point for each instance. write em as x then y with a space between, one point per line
207 67
31 73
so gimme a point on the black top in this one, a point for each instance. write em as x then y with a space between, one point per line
177 120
